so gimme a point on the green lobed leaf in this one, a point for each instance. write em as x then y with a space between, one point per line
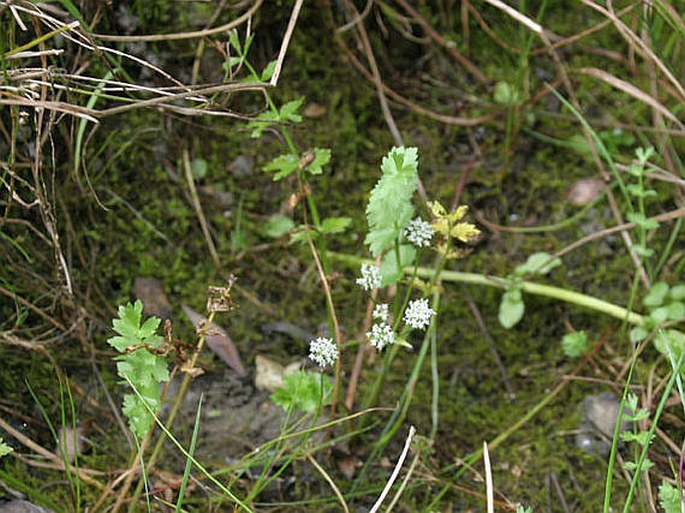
638 334
670 342
676 311
268 71
278 225
643 222
4 448
575 344
677 292
511 308
141 367
538 263
263 121
642 251
669 498
288 111
656 295
234 40
303 390
284 165
335 224
506 94
390 208
322 156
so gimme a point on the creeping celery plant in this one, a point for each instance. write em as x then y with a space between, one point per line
139 365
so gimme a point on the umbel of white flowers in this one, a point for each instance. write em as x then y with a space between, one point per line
418 314
323 352
371 277
419 232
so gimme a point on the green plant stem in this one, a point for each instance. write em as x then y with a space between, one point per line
395 423
614 442
529 287
659 410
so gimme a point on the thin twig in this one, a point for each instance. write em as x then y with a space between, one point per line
186 35
198 209
396 470
330 481
284 44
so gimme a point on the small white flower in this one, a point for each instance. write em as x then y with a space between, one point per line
323 352
380 312
381 335
419 232
371 277
418 314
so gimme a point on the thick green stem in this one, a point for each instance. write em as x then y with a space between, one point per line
529 287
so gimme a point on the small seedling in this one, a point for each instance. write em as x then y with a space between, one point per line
139 364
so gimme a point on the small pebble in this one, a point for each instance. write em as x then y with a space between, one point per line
585 190
599 413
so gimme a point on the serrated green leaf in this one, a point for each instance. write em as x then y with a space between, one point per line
4 448
390 208
636 170
646 465
335 224
390 271
303 390
656 295
119 343
669 498
283 165
537 263
511 309
278 225
232 62
144 369
677 292
148 329
643 222
234 40
129 319
506 94
659 315
642 251
139 418
300 235
268 71
644 154
641 437
638 334
199 168
670 342
676 311
631 401
288 111
642 414
322 156
574 344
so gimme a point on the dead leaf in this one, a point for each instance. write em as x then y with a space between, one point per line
218 341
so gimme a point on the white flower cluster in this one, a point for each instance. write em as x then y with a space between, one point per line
323 352
380 312
371 277
381 335
419 232
418 314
